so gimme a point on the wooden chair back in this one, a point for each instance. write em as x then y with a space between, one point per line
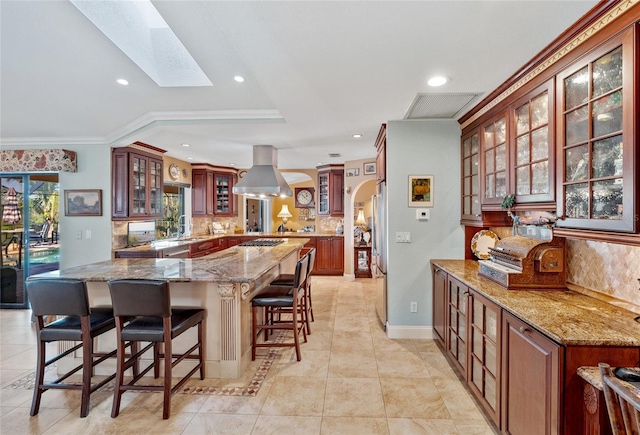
623 406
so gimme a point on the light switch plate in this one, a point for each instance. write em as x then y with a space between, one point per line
403 237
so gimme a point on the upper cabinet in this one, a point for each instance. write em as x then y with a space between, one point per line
532 170
494 161
561 134
211 191
331 190
471 176
381 154
136 184
596 97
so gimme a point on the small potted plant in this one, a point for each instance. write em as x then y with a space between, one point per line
507 202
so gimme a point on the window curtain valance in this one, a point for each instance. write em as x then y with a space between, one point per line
55 160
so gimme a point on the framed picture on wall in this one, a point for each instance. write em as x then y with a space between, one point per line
369 168
352 172
420 190
83 202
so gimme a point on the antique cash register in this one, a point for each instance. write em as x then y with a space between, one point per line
531 260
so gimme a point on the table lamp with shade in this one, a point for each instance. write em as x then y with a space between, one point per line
284 214
362 223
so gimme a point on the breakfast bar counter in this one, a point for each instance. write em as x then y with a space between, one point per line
223 282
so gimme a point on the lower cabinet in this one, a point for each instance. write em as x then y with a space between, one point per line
329 256
439 299
531 380
485 325
456 341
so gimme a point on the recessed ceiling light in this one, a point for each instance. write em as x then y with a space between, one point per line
357 136
186 145
319 163
239 79
189 158
437 81
232 164
123 82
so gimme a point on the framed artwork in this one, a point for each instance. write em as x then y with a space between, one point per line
352 172
369 168
420 190
83 202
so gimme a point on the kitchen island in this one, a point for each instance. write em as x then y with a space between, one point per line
223 282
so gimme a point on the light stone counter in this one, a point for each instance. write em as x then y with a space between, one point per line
567 317
223 283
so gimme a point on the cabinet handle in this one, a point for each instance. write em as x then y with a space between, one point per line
523 329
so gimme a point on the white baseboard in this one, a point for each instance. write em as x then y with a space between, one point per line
414 332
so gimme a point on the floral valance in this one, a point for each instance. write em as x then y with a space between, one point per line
55 160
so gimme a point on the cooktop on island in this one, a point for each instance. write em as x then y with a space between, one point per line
262 242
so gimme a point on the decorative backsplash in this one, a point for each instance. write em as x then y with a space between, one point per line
605 268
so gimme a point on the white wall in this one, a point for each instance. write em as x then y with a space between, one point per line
420 148
94 172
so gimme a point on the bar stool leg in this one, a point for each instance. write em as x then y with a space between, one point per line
200 352
87 360
120 368
37 388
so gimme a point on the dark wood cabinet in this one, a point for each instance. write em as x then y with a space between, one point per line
595 101
439 304
331 190
205 248
362 261
329 256
211 192
137 183
456 340
381 154
485 339
531 380
494 161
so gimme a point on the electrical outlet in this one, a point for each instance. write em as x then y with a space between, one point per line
87 234
78 234
414 307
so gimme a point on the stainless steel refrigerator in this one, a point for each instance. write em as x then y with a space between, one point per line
379 249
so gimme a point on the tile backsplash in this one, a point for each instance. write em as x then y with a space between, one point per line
606 268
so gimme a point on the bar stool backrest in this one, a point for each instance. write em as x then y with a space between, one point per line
58 296
312 260
301 272
140 297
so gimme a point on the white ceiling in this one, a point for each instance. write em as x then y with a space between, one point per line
316 72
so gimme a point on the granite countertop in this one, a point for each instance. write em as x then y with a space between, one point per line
171 243
236 264
592 376
565 316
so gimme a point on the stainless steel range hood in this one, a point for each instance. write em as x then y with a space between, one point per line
263 179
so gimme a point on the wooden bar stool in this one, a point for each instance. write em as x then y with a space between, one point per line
272 300
622 405
288 281
67 297
146 304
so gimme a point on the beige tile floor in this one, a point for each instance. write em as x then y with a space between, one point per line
352 380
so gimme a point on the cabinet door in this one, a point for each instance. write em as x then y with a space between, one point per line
533 146
439 306
323 255
199 190
485 322
155 188
531 380
337 255
381 154
323 193
336 200
223 185
596 117
457 324
139 174
120 184
471 177
494 161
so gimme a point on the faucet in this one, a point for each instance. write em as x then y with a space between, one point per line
185 226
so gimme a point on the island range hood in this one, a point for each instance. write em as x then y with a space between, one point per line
263 180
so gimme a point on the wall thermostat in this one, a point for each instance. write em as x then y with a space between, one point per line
422 214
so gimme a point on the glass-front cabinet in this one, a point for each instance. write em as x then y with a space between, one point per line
495 160
471 177
223 196
532 168
596 99
457 323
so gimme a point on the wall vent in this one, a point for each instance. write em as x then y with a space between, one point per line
335 155
441 106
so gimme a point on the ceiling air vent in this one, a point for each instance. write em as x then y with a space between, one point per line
335 155
442 106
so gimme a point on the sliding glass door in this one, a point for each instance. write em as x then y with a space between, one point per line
30 243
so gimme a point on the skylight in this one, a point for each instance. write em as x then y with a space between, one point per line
138 29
